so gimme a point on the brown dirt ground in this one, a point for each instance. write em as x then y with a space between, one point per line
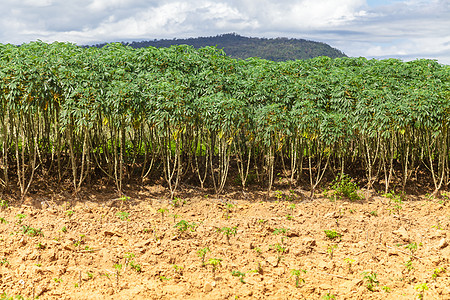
80 262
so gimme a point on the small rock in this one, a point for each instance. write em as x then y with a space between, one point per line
442 243
331 215
325 286
309 242
111 233
208 287
273 261
158 252
351 285
402 233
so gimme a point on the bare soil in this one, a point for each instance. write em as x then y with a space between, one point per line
55 247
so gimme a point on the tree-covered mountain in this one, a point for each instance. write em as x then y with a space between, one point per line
236 46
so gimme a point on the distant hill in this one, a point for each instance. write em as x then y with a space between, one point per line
234 45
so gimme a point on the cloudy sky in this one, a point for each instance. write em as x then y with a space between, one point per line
406 29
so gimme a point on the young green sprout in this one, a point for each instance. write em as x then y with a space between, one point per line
239 274
332 234
371 279
215 263
202 253
229 208
437 272
162 211
330 250
296 274
280 250
175 217
349 262
227 231
421 288
118 268
123 215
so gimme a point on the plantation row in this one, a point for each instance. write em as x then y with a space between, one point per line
74 112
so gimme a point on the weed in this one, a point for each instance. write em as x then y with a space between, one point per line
123 215
396 200
20 217
437 272
227 231
386 289
175 217
328 296
89 275
178 269
40 246
4 296
118 268
4 204
421 288
31 231
371 280
408 264
164 278
202 253
215 263
349 262
3 221
4 261
64 229
88 249
262 221
412 248
229 207
344 187
135 266
183 226
162 211
69 213
280 250
239 274
57 280
332 234
373 213
176 202
280 230
257 250
330 250
296 273
289 217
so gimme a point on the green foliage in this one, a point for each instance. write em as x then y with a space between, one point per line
343 186
296 273
31 231
227 231
4 204
421 288
332 234
215 263
120 109
162 211
238 274
437 272
371 280
202 254
123 215
184 226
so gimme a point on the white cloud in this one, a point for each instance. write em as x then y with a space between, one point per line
396 28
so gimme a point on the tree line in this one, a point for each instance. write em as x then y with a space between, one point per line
120 113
